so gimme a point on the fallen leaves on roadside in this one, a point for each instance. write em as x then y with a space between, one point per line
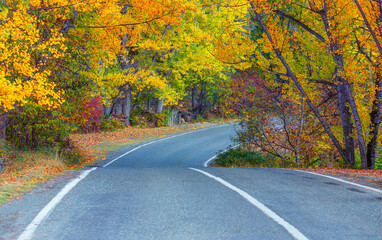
366 176
33 168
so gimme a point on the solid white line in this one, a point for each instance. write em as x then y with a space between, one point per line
207 163
341 180
45 212
159 140
291 229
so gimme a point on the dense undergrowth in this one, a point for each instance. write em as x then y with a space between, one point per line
240 157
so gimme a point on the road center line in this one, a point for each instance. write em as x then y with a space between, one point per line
291 229
341 180
46 211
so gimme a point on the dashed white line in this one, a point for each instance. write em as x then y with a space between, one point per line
268 212
341 180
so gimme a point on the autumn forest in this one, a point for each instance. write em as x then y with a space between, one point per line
303 78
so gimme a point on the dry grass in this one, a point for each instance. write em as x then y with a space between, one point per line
99 143
27 170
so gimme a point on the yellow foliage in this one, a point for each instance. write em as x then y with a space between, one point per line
23 75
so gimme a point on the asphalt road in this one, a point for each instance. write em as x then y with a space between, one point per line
162 191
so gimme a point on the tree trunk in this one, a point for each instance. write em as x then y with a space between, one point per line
126 105
118 107
375 115
194 97
358 126
148 104
301 89
3 125
202 99
159 106
345 88
347 125
106 110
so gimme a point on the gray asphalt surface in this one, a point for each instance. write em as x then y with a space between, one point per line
152 194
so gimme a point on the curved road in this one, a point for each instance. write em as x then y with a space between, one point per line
160 190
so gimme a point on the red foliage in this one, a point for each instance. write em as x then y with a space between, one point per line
91 114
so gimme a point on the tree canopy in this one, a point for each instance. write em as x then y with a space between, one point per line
313 64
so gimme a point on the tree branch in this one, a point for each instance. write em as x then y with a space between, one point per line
304 26
300 88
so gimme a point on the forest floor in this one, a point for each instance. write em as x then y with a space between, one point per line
27 169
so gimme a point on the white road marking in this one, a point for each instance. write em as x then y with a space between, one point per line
207 163
291 229
45 212
341 180
159 140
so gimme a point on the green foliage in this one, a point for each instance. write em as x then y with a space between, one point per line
137 118
110 124
161 120
378 162
199 118
167 116
243 158
33 126
71 156
142 118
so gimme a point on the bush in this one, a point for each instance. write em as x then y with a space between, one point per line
71 156
142 118
243 158
110 124
161 120
199 118
31 127
378 162
91 115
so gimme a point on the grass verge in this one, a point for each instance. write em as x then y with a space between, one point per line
243 158
26 170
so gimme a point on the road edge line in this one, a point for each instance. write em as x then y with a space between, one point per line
340 180
268 212
162 139
46 211
208 162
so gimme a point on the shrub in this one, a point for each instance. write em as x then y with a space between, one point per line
378 162
243 158
31 127
161 120
142 118
91 115
199 118
110 124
